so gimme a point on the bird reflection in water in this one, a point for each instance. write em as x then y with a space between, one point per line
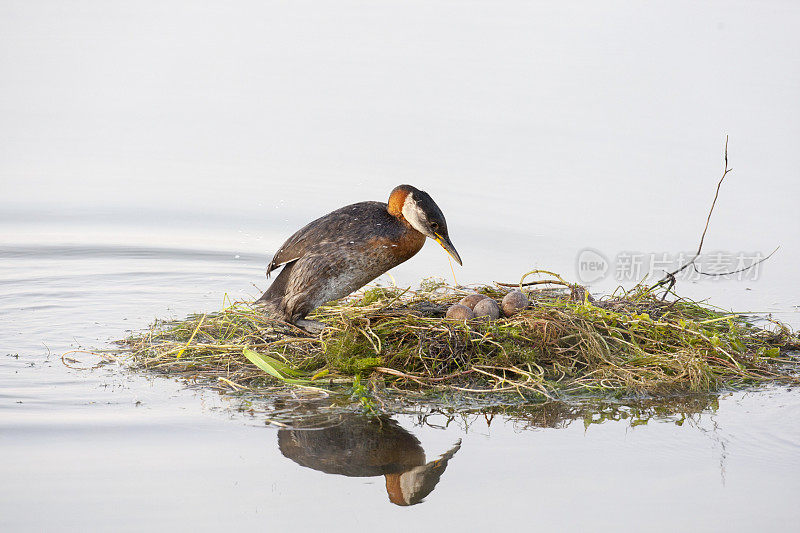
358 446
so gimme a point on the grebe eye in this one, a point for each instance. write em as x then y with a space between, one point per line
434 226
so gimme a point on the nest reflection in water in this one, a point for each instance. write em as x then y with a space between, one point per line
354 445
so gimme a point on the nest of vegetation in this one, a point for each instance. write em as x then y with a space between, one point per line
393 340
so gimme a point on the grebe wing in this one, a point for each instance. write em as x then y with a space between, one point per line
337 227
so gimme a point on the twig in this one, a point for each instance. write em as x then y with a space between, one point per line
67 360
522 283
669 278
200 323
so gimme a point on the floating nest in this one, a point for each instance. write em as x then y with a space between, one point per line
386 341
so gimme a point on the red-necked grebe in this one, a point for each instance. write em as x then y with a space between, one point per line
346 249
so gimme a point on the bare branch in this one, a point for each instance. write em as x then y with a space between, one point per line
669 278
716 274
716 195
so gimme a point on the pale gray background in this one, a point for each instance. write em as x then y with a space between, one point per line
204 133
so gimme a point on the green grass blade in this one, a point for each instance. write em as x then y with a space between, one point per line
264 362
277 369
283 370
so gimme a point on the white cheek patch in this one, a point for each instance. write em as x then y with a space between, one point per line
414 215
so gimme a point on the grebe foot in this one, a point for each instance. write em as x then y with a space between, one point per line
311 326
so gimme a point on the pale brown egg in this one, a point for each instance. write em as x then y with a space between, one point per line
514 302
459 312
472 299
487 307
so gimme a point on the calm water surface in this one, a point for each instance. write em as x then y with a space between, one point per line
153 157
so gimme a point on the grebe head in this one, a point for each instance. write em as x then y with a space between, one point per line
422 213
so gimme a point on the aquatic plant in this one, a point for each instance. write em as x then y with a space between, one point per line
394 341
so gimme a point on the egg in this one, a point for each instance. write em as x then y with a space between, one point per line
459 312
472 299
487 307
514 302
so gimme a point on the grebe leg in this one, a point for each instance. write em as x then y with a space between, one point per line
311 326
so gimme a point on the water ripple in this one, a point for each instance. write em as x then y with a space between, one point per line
112 251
